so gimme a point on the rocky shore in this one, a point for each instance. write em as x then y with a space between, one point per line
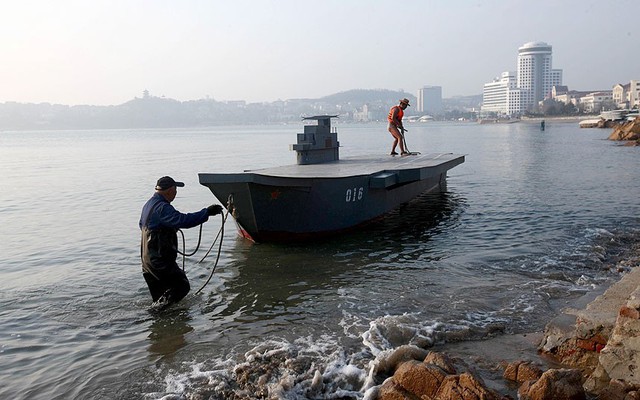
628 131
589 351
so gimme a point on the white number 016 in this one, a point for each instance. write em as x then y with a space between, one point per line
354 194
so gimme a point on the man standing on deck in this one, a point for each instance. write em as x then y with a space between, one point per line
395 126
159 224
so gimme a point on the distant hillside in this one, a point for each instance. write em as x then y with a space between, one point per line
474 101
368 96
159 112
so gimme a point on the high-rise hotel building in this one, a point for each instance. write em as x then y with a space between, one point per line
533 82
429 99
535 75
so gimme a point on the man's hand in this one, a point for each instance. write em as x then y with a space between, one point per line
214 209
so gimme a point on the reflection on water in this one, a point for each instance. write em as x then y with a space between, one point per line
416 222
167 331
275 280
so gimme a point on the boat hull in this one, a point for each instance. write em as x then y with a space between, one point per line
301 204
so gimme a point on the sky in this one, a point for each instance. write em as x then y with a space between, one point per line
107 52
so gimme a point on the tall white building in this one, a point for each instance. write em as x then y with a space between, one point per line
535 75
429 100
514 93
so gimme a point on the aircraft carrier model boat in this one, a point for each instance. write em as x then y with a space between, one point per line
324 195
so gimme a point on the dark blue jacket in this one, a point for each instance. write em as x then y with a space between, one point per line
159 223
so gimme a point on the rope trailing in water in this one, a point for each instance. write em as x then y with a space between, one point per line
219 235
183 252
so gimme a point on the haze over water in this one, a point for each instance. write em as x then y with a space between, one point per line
107 52
530 222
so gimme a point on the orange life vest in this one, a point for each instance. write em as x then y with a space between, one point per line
399 115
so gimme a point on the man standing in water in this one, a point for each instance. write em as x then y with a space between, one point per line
159 224
395 126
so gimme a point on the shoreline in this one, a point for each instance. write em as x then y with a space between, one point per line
599 307
566 119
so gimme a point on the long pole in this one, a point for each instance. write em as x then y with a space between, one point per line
404 140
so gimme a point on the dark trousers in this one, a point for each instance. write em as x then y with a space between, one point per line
170 286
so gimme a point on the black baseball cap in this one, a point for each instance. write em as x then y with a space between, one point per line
166 182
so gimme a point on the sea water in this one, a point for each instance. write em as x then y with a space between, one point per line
531 221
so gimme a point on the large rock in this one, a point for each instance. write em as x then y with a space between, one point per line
464 387
390 390
441 360
522 371
554 384
419 378
604 340
434 378
577 337
618 390
621 356
629 130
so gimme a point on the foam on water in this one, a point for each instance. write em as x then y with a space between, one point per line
389 332
283 370
273 369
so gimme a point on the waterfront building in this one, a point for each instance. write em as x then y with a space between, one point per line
558 90
429 100
362 116
535 74
633 95
566 96
627 96
501 97
619 95
595 101
534 80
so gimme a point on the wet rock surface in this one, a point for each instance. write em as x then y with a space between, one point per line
589 353
629 130
436 377
565 384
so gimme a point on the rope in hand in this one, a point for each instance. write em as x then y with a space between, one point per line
219 235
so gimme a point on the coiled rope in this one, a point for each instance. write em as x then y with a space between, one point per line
219 235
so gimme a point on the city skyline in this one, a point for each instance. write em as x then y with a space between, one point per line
516 92
108 52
